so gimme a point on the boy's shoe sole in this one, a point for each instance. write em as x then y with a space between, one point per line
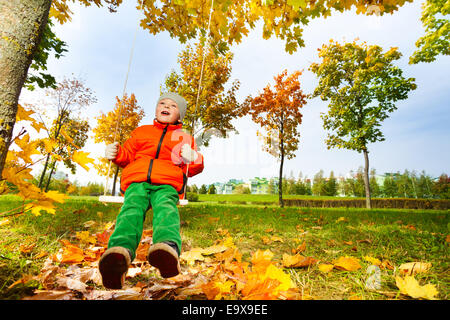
113 266
165 258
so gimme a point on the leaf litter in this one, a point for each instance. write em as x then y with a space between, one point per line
216 272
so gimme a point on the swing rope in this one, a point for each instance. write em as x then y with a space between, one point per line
198 91
119 115
196 102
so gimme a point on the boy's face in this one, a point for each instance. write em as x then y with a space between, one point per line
167 111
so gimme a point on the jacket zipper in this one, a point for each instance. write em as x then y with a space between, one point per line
149 173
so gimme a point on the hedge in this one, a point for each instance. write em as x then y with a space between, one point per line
395 203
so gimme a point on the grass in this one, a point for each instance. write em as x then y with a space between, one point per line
396 235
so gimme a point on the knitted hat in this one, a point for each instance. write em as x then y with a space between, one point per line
182 104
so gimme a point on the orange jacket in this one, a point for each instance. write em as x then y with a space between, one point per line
152 154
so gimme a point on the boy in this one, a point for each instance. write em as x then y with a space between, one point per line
155 160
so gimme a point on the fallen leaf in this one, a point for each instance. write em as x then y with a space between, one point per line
408 285
72 284
347 264
276 239
342 219
386 264
41 255
51 295
373 261
89 224
192 255
325 267
4 222
412 268
85 237
297 261
69 253
26 248
265 240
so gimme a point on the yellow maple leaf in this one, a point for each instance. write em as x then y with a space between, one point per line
373 261
275 273
347 263
192 255
82 159
412 268
4 222
297 261
408 285
261 260
85 237
23 114
56 196
325 267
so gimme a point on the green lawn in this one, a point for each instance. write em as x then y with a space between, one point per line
398 236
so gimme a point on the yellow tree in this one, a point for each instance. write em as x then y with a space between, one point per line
277 111
117 125
216 107
22 156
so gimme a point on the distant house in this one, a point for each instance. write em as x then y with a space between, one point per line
256 185
259 185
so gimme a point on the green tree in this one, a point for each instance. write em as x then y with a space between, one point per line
212 189
441 188
437 32
331 186
390 189
50 44
374 187
203 189
362 84
318 187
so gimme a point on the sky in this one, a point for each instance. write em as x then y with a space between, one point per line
417 134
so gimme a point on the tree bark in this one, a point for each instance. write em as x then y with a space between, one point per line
280 178
366 179
41 180
22 23
53 166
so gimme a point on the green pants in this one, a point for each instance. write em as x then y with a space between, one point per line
130 221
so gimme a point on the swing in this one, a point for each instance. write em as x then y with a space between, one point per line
119 199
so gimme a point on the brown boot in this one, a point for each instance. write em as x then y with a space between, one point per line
165 258
113 266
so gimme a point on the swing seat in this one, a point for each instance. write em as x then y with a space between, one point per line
119 199
115 199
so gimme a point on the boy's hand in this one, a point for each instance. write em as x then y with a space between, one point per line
188 154
112 150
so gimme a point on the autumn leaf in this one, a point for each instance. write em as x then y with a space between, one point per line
347 264
325 267
70 253
412 268
408 285
82 159
373 261
85 237
4 222
297 261
192 255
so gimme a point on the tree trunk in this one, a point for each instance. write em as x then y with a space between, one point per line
53 166
22 23
113 192
280 178
366 179
41 180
